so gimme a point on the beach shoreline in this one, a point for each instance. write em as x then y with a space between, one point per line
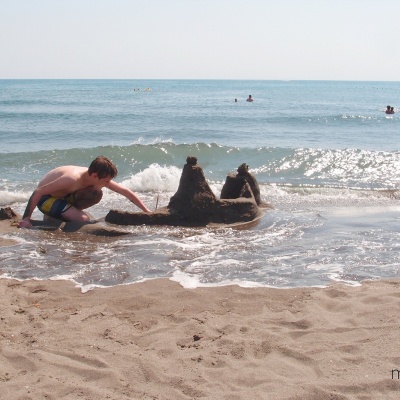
157 340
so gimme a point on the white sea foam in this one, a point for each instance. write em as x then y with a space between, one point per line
155 178
8 198
192 282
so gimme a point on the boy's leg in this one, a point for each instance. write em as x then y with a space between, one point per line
73 214
83 199
86 198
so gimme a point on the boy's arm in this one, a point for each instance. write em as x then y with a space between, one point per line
32 203
124 191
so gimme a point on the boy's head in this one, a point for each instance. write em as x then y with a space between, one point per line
103 167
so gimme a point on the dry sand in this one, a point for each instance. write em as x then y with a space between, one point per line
157 340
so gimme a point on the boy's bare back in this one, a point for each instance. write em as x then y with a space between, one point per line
64 180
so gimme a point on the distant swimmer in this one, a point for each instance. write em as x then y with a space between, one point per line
249 98
235 100
389 110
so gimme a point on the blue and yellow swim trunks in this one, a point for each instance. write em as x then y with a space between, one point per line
54 206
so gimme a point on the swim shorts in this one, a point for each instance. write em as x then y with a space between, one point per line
54 206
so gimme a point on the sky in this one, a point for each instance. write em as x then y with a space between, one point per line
200 39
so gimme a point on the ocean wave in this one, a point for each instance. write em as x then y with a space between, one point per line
157 166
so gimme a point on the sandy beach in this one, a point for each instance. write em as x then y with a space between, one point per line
157 340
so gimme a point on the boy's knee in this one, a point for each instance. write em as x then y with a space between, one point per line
87 197
95 194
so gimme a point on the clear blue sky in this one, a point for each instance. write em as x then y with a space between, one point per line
200 39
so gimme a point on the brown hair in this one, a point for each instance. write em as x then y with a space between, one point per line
104 167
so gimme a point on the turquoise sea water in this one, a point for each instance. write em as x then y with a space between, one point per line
325 154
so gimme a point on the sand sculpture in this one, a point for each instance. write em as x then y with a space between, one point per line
194 203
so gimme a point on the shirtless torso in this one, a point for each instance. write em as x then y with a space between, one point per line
63 180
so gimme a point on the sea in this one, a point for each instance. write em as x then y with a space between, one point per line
324 153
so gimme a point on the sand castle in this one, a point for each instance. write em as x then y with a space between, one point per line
194 203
